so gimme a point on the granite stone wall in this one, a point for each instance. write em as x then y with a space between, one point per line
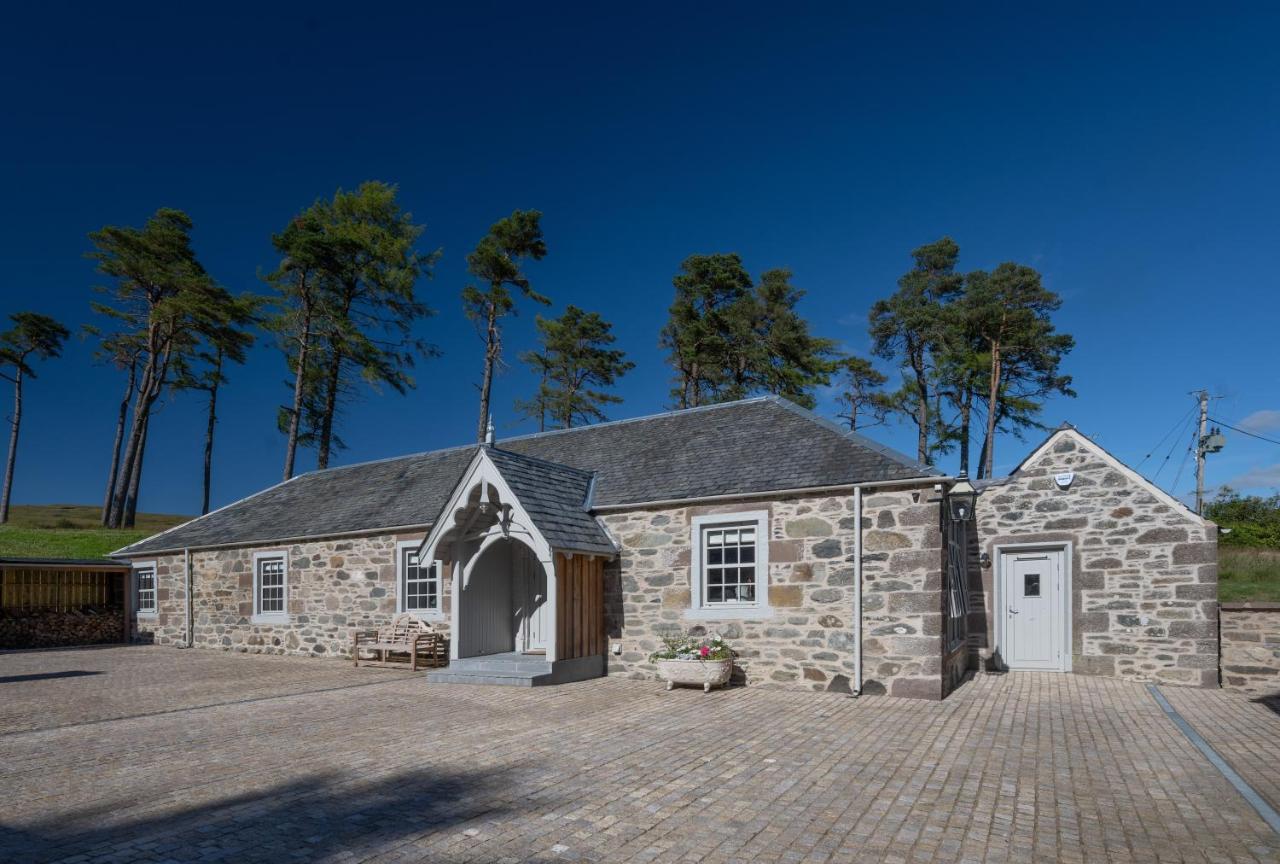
335 586
1251 647
809 639
1144 577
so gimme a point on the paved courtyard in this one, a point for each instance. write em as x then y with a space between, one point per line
153 754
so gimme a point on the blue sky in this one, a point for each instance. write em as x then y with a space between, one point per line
1128 153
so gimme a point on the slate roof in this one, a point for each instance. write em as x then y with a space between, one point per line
735 448
556 498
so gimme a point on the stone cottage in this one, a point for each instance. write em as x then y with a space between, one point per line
829 561
1084 566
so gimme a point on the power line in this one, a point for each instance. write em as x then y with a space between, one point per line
1159 443
1243 432
1190 418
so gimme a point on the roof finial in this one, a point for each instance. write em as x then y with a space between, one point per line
488 433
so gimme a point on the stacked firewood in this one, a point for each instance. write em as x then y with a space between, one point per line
47 628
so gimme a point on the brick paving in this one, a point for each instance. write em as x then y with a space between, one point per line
1243 728
202 756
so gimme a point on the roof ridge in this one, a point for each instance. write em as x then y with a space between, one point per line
540 460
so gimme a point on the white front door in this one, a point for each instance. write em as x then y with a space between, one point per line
529 585
1032 594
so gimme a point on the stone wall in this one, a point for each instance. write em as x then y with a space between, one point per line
335 586
1144 577
809 640
1251 647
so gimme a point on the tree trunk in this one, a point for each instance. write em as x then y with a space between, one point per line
115 447
922 415
966 412
982 458
130 510
304 345
993 410
490 359
330 406
13 442
141 406
208 432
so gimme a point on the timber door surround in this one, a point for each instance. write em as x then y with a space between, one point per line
1033 597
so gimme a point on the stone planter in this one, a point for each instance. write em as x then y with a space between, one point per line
703 673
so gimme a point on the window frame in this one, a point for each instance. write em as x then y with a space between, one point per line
698 605
402 593
154 611
259 616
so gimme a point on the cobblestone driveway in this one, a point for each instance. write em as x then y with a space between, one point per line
201 756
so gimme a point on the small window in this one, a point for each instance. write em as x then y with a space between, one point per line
421 584
270 587
730 567
1031 585
145 579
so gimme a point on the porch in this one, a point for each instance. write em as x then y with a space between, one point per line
528 565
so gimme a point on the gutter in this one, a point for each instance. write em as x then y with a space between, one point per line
775 493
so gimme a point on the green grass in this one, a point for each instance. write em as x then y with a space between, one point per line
1248 574
71 531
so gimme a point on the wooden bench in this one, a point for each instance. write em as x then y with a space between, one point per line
404 635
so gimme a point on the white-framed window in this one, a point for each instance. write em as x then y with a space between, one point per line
419 586
730 565
144 588
270 587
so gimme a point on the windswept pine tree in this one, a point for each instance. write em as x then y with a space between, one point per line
496 264
158 295
32 337
348 307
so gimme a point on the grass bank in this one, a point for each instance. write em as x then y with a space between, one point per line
1248 574
71 531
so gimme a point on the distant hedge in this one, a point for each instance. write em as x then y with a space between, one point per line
1254 521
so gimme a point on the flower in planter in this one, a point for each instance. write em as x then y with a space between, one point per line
685 648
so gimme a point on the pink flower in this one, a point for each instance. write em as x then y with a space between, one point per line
705 650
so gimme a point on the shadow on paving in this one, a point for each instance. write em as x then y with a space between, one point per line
1269 702
46 676
307 818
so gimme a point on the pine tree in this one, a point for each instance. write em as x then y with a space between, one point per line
575 365
495 262
33 336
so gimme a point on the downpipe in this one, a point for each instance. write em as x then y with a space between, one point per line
188 636
857 591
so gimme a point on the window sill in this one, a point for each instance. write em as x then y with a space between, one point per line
146 616
269 619
432 615
729 613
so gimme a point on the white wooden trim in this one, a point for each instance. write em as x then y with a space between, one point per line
436 614
153 613
698 608
998 551
520 528
260 617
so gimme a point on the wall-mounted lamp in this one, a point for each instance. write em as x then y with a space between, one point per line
985 560
961 498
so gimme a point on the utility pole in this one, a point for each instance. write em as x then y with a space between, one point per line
1200 440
